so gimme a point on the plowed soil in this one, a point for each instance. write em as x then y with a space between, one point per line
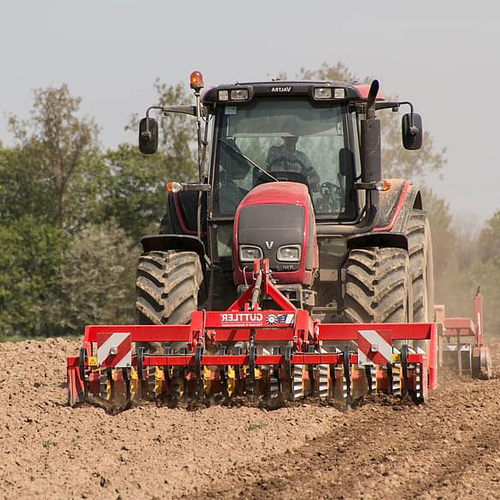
447 448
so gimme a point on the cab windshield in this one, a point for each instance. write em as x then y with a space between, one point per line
271 140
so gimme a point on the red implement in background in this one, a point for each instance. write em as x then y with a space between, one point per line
462 342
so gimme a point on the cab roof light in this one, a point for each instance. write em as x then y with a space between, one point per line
239 94
321 93
223 95
339 93
196 81
326 93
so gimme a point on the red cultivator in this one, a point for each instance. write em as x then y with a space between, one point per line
256 353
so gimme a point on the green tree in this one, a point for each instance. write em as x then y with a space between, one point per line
487 275
397 162
97 277
178 137
30 286
136 193
57 160
489 238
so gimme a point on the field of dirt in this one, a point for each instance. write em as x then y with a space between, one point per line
447 448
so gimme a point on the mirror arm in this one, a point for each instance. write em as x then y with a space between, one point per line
147 133
413 129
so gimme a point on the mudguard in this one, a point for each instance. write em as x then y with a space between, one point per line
395 206
182 213
181 243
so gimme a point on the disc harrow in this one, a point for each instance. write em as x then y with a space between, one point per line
255 353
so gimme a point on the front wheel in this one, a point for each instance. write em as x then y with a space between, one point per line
167 287
378 286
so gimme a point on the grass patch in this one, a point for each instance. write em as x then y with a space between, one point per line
253 427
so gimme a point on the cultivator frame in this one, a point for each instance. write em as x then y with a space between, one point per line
256 353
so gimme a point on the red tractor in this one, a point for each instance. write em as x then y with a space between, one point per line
292 174
292 267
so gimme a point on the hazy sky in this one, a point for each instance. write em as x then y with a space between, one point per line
442 55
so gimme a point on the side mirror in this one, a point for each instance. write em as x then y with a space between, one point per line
148 136
413 134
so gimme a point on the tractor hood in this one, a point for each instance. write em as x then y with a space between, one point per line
275 221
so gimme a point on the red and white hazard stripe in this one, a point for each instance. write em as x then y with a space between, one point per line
114 350
374 348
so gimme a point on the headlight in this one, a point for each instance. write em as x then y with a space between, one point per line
289 253
223 95
239 94
323 93
249 253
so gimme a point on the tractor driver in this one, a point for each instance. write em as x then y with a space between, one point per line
288 158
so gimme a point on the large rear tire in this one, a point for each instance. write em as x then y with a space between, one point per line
167 287
378 286
420 250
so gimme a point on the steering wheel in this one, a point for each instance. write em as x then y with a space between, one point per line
281 175
331 198
286 159
328 189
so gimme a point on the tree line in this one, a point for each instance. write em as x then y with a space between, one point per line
72 214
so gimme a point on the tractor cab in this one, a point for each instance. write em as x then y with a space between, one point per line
291 139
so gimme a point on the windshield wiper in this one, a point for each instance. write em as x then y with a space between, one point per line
249 160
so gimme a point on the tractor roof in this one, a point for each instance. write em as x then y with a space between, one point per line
340 91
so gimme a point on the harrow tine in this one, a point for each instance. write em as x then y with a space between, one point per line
396 379
167 371
238 383
183 379
390 375
83 375
126 381
106 384
310 372
347 375
135 388
298 382
323 389
371 375
251 381
418 384
223 374
159 381
404 365
274 378
323 385
198 372
140 370
150 382
176 392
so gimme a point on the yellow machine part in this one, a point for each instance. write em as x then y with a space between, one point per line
158 381
135 386
107 393
231 381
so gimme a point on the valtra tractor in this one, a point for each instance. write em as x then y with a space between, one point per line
292 268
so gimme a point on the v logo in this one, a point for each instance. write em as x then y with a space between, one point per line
269 244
